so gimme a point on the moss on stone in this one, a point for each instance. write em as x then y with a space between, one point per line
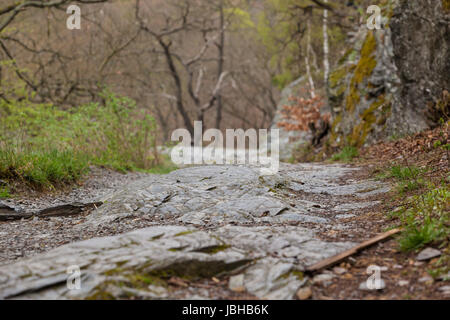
366 64
367 61
347 56
121 263
158 237
334 130
101 294
337 76
138 280
446 5
353 97
135 280
194 269
214 249
354 92
368 118
296 273
184 233
177 249
385 113
114 271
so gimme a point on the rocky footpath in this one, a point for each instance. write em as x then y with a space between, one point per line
167 235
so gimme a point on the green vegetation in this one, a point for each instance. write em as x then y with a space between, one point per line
409 178
404 173
42 168
425 219
185 233
44 146
4 193
347 154
214 249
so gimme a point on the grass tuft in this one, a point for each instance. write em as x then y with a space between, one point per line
425 219
4 193
42 168
346 155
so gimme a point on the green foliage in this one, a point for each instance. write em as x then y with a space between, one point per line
426 219
408 177
411 185
241 19
121 135
44 145
347 154
404 173
274 31
42 168
4 193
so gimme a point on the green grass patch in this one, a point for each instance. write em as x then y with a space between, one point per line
347 154
4 193
408 178
425 219
408 186
42 168
44 145
404 173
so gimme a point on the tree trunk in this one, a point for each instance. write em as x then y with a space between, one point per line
221 47
307 56
326 46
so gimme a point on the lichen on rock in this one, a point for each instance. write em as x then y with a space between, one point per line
382 87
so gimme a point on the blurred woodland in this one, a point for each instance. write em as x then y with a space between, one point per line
220 61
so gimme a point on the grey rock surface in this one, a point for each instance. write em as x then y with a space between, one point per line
428 254
382 88
208 221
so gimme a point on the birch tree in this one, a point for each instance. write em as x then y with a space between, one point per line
326 48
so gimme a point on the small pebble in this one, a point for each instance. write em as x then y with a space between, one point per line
403 283
304 293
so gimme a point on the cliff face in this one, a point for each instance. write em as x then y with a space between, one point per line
421 41
391 81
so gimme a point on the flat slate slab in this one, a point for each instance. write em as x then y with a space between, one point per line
213 220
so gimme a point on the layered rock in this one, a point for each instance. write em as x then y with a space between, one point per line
391 81
208 222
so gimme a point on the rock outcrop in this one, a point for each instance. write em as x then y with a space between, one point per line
391 81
